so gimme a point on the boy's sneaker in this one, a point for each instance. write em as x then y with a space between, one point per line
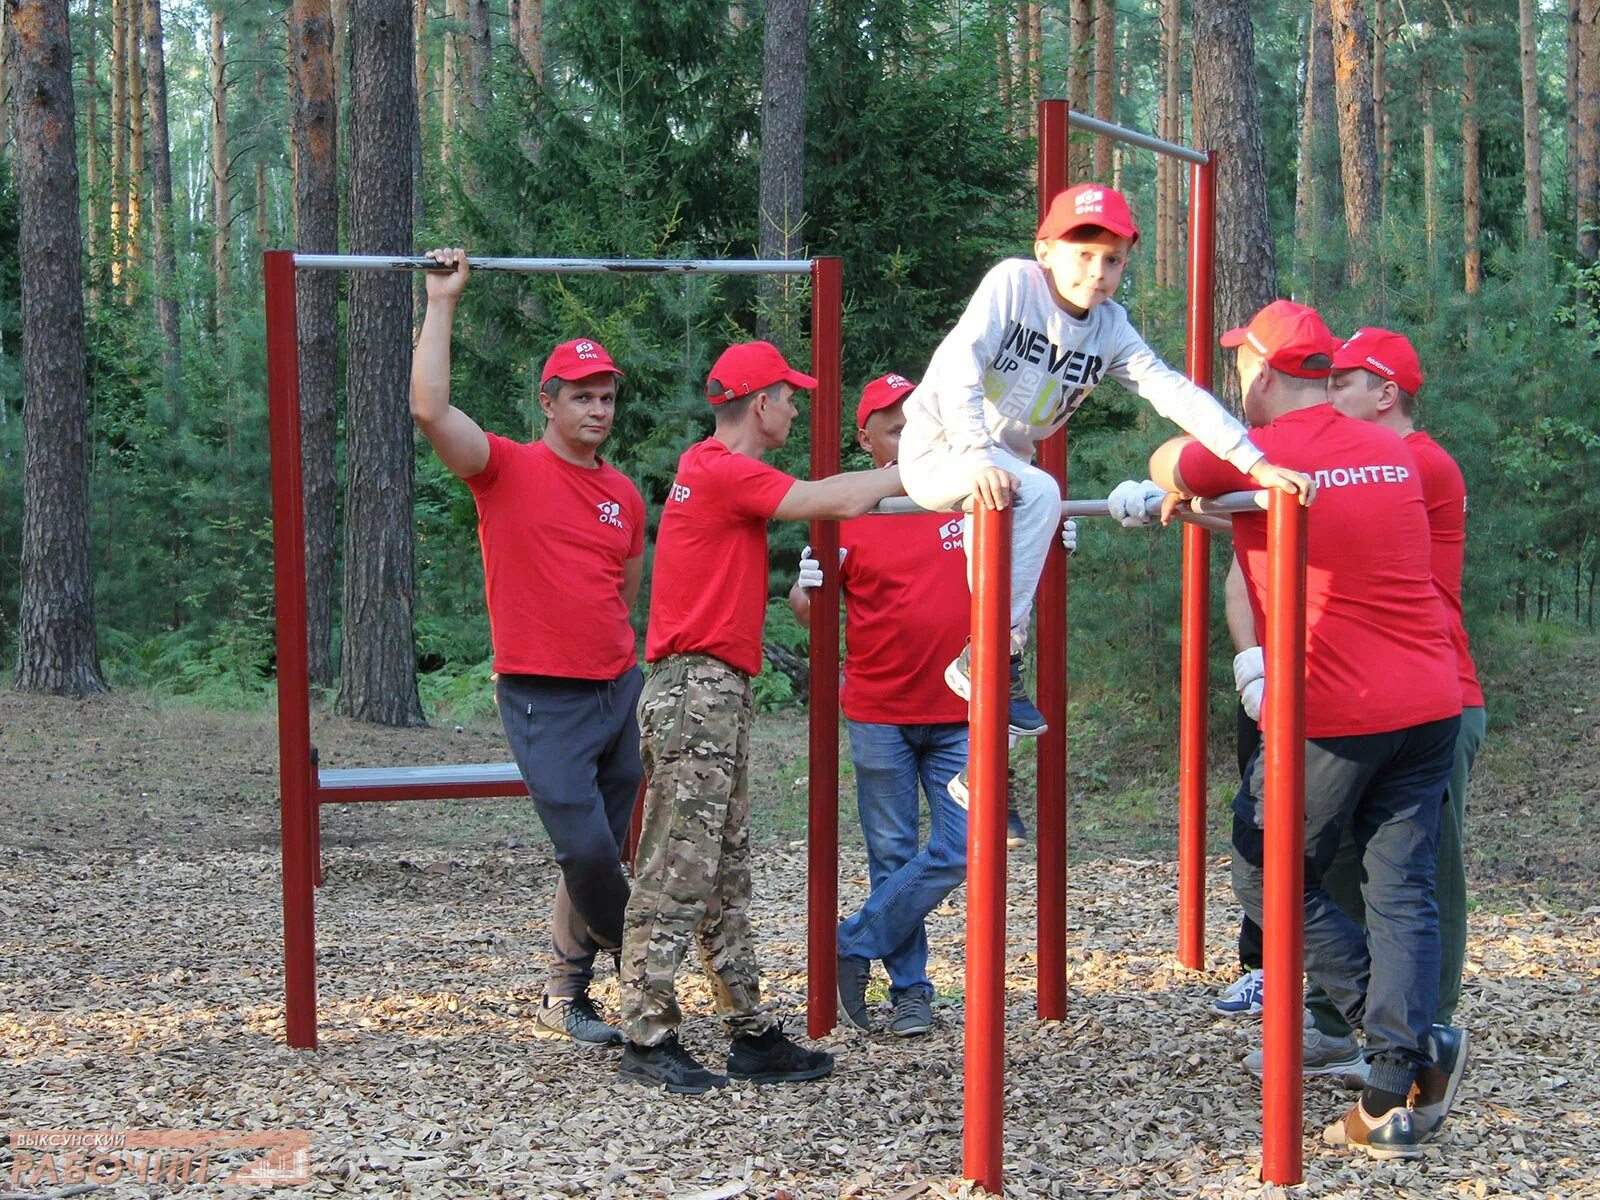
1437 1084
1323 1054
913 1013
771 1057
667 1065
1390 1136
576 1019
1242 997
1016 830
1025 719
853 975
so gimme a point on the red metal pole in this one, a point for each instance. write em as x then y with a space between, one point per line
1283 901
1194 679
986 848
1052 658
822 892
294 686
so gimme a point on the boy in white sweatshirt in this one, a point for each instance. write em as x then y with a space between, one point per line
1034 340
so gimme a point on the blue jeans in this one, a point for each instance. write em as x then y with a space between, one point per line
907 882
1385 791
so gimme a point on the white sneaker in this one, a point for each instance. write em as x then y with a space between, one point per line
1243 996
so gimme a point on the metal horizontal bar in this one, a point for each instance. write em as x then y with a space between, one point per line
562 266
1133 137
902 506
1230 502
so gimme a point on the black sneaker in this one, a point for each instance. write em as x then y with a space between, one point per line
576 1019
667 1065
853 975
1026 719
771 1057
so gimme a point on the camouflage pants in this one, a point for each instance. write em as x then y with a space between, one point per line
692 874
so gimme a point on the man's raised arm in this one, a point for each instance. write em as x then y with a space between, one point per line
456 438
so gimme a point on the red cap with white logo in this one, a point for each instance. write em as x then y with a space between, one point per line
1385 353
577 359
1088 204
1286 334
881 393
746 367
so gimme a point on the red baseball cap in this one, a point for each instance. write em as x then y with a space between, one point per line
1088 204
1286 334
881 393
746 367
577 359
1383 352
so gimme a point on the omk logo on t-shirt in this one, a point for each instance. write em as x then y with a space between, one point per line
950 534
610 513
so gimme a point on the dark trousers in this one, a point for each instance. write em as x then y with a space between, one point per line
576 742
1386 790
1247 740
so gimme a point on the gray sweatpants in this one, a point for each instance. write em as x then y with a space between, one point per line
942 480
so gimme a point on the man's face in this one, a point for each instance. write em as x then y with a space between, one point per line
880 436
583 412
777 413
1356 393
1085 266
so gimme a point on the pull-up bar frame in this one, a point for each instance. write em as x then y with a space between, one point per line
303 788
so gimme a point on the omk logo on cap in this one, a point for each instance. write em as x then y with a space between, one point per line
897 381
586 350
1090 201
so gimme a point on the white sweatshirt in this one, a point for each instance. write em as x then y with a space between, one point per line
1017 365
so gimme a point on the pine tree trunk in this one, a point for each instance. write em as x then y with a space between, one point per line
1470 190
55 614
1227 112
1105 78
1035 63
378 676
260 94
1430 168
165 257
1167 122
119 137
316 221
221 209
456 23
1003 65
1587 205
530 36
783 158
5 97
1080 153
1574 53
92 158
1358 147
1027 115
478 44
1380 102
137 164
1532 180
420 50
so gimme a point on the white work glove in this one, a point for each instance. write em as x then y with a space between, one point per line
1130 503
1069 536
1250 679
811 570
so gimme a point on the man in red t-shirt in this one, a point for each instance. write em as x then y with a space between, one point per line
708 599
563 542
1383 707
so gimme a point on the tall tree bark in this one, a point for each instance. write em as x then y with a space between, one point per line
783 150
119 136
1227 113
378 675
1470 190
1003 65
1380 101
55 616
138 166
91 81
1027 115
1430 167
1035 62
1358 147
221 208
420 53
1079 150
530 35
1105 80
1169 186
316 221
259 90
1574 53
455 24
5 98
165 253
479 53
1532 177
1587 202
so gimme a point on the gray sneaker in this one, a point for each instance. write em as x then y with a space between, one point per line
913 1013
576 1019
853 975
1322 1054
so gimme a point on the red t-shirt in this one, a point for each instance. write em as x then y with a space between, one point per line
1445 493
554 538
907 611
709 591
1378 652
